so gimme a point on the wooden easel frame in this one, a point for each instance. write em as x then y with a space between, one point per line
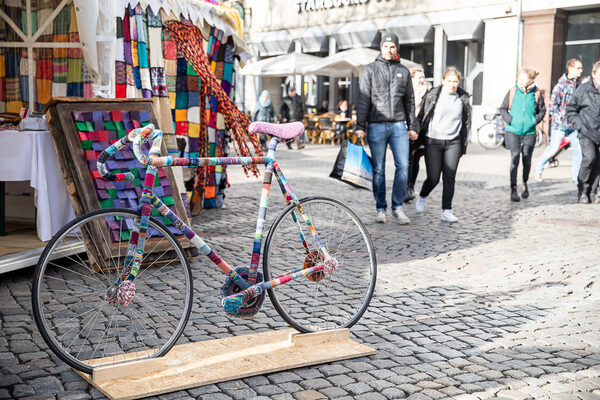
76 172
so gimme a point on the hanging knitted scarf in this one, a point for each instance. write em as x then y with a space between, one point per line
189 43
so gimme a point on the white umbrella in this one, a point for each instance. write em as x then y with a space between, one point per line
347 63
285 65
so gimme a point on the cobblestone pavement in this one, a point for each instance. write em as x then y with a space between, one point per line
502 304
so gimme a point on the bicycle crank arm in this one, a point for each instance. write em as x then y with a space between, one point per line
234 302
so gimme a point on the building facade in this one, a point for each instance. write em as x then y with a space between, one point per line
482 38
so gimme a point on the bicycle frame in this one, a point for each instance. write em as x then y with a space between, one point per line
250 288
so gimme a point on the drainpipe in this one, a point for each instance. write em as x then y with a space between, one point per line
520 37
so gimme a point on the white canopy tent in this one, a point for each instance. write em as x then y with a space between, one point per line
280 66
346 63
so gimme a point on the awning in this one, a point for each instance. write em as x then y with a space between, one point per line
350 35
274 43
313 40
347 63
280 66
463 30
411 29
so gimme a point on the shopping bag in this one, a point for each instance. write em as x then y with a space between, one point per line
357 167
338 167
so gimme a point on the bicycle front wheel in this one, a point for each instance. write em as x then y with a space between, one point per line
72 307
319 301
487 136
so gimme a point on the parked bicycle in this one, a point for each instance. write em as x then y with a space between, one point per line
135 304
490 135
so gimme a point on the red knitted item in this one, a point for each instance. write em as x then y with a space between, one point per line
189 43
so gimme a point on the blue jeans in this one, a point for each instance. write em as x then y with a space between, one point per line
555 139
378 137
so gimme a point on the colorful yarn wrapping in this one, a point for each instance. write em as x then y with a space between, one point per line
126 292
189 43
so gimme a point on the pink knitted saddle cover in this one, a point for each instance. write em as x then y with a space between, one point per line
282 131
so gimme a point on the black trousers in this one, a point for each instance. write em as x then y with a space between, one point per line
441 157
590 166
519 146
416 152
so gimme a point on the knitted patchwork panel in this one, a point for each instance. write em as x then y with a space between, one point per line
97 130
58 71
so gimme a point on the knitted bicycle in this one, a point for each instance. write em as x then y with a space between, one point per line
317 254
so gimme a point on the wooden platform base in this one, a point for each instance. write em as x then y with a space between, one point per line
197 364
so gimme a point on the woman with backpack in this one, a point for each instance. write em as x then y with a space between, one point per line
522 109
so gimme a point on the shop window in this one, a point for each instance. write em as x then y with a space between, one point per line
583 38
422 54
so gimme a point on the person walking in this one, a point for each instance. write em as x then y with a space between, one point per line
561 94
522 109
583 112
386 102
292 110
445 119
265 112
417 147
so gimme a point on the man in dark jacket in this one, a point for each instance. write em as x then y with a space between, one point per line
386 102
583 112
292 110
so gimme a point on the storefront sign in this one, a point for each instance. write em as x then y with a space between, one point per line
315 5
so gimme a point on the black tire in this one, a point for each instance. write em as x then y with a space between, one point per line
339 299
488 137
539 137
68 293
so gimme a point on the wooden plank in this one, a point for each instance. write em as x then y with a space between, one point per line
305 339
198 364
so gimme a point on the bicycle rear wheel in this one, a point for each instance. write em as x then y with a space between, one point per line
319 301
488 137
84 328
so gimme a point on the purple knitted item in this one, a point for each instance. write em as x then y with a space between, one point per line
282 131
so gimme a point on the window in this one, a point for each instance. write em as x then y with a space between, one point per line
583 38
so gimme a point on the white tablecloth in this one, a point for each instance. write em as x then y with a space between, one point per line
30 156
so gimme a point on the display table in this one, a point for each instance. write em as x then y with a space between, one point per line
30 156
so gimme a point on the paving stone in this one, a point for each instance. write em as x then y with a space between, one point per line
357 388
514 394
316 384
470 388
468 378
309 395
333 392
267 390
393 393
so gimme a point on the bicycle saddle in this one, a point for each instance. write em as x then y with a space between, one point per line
282 131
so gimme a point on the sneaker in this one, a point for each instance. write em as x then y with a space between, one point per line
402 219
420 204
514 196
380 216
525 192
448 216
584 200
538 177
289 145
300 146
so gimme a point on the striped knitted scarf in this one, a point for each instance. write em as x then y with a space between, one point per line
189 43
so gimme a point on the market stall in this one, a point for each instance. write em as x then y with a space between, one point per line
122 50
